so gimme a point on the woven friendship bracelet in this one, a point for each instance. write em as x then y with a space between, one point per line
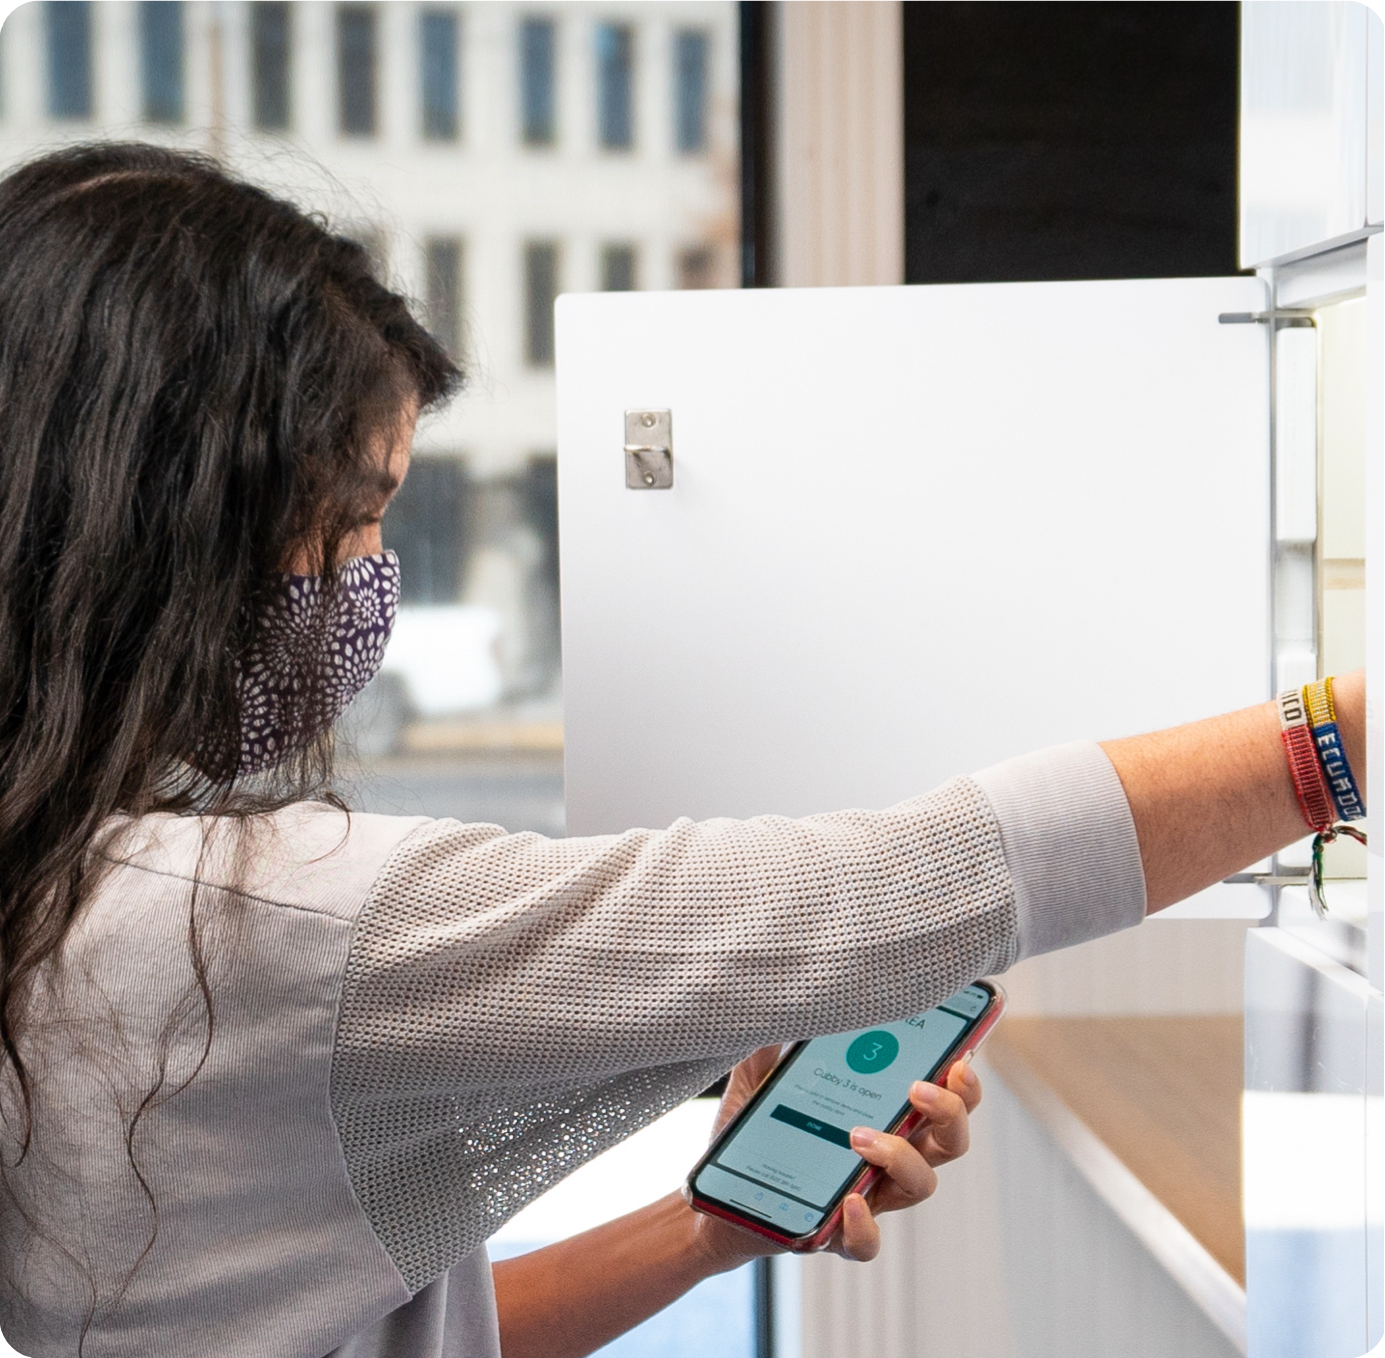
1332 755
1310 788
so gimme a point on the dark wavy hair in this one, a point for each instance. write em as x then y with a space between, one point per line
193 378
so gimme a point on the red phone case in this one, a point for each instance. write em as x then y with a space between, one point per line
868 1176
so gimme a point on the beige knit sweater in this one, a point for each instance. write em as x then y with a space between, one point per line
419 1026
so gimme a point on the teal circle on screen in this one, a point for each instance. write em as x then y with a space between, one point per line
872 1052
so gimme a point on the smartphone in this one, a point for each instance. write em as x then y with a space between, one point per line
784 1165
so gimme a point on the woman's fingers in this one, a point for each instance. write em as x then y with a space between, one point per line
907 1166
907 1177
946 1131
859 1237
963 1081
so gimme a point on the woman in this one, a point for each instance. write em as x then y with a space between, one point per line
274 1073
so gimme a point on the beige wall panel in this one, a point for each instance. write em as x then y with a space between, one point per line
1343 630
1342 364
841 143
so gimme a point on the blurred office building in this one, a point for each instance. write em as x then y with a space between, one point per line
490 156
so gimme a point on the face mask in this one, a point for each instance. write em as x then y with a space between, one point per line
273 720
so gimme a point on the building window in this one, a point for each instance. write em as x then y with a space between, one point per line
444 260
617 268
697 267
161 59
538 111
614 80
69 58
425 524
690 90
540 292
270 41
356 62
438 73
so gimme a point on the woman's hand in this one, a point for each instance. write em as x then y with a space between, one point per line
569 1299
908 1164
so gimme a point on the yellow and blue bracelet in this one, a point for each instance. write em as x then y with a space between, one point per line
1332 755
1324 784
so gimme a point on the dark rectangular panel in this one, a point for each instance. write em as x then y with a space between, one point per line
161 60
1050 141
617 268
690 90
439 73
356 69
444 260
538 118
271 51
426 525
615 59
540 292
69 58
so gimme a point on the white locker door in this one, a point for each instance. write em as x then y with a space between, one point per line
911 531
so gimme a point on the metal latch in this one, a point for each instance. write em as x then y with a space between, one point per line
1284 316
1289 877
649 449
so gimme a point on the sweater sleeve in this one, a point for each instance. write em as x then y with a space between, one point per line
513 1004
1069 843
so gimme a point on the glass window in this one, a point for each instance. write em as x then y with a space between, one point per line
438 73
270 56
540 292
697 267
69 58
690 90
518 560
443 258
536 79
614 81
617 268
161 60
356 62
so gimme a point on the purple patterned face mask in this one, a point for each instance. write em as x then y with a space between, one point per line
275 683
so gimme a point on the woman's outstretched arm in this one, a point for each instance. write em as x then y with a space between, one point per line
1213 796
1206 799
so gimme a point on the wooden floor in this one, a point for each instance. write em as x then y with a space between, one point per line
1164 1094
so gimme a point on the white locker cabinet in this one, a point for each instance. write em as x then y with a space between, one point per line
911 531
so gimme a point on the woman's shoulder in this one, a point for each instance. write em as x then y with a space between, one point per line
308 855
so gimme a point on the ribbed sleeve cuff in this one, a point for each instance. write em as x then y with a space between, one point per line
1069 843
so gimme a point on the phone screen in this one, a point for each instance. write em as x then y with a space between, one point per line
791 1157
